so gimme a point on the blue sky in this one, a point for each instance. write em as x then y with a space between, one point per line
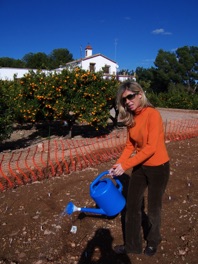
129 32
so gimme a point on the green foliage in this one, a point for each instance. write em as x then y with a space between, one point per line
59 57
144 74
9 62
179 67
180 97
93 97
155 99
85 97
38 97
39 60
194 102
175 98
188 60
6 117
77 96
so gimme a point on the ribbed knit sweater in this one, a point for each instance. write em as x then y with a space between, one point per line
145 141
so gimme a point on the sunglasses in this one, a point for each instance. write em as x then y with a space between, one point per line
129 97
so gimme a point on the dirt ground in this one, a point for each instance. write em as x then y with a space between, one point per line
33 229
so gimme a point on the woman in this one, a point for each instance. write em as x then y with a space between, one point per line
146 153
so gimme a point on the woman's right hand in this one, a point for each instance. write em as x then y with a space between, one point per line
111 172
116 170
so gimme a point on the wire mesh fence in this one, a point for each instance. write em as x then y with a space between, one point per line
55 157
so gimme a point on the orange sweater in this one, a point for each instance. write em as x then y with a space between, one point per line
146 140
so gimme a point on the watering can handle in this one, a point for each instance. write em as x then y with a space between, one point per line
105 173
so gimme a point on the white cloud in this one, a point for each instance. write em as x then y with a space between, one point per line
158 31
161 31
127 18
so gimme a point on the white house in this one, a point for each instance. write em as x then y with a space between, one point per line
90 62
94 63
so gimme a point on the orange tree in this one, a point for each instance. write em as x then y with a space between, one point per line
37 97
6 114
77 96
93 97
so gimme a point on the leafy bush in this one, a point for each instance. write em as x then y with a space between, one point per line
77 96
92 97
180 99
155 99
6 115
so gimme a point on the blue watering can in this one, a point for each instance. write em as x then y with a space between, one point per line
107 196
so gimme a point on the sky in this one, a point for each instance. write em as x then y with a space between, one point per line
128 32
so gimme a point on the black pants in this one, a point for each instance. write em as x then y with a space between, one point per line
155 178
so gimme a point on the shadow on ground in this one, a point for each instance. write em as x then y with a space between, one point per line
100 250
26 135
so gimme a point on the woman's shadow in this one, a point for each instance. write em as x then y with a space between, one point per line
99 250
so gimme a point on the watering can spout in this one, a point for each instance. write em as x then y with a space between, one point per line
71 208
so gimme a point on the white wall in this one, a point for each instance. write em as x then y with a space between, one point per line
100 62
8 73
123 78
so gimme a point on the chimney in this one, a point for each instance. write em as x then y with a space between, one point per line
88 51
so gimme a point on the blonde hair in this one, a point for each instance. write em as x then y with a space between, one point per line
126 116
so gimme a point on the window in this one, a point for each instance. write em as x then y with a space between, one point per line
92 67
106 69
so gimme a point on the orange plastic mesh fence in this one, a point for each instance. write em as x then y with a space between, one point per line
62 156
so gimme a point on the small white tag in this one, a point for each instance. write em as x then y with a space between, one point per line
73 229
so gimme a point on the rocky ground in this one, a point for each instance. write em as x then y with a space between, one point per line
33 229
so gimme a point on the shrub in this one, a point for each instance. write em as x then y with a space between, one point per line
6 115
77 96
